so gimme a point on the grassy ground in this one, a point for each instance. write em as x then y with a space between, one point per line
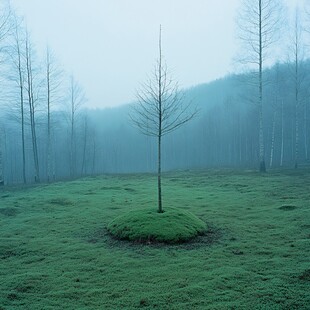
55 252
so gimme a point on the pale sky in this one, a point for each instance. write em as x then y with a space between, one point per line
110 46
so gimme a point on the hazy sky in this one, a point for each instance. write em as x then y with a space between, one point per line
111 45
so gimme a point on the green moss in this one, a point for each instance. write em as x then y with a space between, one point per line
60 256
172 226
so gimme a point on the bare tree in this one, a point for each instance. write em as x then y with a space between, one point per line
85 143
1 156
5 27
18 77
76 99
161 109
32 94
277 106
53 83
298 77
258 22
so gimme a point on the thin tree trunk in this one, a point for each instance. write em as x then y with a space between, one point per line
282 135
305 131
296 137
272 138
21 94
72 157
83 168
32 112
49 168
296 108
160 207
72 135
1 159
54 159
34 144
262 165
94 158
23 131
297 81
293 144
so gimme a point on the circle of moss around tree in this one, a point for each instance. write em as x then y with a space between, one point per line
147 225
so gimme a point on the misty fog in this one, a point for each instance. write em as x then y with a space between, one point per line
57 134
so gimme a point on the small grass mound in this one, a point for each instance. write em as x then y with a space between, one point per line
147 225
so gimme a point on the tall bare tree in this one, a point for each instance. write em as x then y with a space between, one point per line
5 27
18 77
32 94
76 99
1 156
259 22
53 83
298 76
161 109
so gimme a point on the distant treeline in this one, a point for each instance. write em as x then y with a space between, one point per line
224 133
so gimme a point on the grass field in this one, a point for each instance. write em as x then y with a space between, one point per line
55 252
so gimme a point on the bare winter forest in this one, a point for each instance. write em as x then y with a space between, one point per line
257 118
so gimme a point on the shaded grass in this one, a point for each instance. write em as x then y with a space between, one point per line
55 252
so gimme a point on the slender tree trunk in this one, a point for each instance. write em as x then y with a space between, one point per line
298 82
296 137
272 138
1 159
23 131
34 143
94 158
282 134
240 141
49 168
22 112
32 112
72 157
305 131
160 207
72 133
296 106
83 168
75 102
49 165
262 165
54 159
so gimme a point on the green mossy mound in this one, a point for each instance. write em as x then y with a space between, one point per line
147 225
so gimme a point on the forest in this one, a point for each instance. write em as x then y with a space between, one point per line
48 133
